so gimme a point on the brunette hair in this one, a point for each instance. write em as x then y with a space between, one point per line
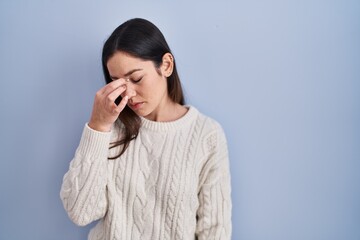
142 39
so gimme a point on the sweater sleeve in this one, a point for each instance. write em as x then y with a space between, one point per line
83 190
214 212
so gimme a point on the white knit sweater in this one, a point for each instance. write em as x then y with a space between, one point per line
173 182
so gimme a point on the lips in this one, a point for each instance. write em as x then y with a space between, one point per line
136 105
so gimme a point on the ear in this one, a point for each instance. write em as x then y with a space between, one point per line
167 65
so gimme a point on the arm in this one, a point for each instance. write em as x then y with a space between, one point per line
83 191
214 212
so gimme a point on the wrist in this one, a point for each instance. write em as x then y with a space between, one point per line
99 127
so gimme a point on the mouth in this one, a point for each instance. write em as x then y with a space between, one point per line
136 105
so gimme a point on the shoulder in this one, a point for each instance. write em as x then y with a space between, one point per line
213 133
210 125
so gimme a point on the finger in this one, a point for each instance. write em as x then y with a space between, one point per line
121 105
112 86
112 96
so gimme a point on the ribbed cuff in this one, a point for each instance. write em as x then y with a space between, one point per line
93 142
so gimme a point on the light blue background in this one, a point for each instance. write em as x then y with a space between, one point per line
282 77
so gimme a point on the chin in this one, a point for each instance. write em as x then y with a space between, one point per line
142 112
145 111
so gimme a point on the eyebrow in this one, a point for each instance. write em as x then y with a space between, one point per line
128 73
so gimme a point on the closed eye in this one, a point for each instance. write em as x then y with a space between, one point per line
136 81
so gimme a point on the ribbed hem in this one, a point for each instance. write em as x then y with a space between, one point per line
184 121
94 142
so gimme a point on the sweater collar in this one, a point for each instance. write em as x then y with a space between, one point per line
184 121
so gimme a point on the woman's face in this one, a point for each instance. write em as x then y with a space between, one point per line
147 86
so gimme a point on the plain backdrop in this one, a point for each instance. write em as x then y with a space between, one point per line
282 78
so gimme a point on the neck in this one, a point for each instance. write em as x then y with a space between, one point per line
167 111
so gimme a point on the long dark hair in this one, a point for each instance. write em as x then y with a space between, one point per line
142 39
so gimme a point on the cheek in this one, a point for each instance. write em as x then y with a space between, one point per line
143 90
149 89
153 88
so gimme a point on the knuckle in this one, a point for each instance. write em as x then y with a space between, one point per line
109 98
117 110
115 83
98 94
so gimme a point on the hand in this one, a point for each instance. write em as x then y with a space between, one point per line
105 111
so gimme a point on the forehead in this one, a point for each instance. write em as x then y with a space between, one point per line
121 63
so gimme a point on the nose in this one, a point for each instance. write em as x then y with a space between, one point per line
129 91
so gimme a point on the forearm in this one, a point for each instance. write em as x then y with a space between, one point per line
83 190
214 213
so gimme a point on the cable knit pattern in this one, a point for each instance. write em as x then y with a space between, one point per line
173 182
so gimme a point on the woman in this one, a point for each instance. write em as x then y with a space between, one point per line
147 166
